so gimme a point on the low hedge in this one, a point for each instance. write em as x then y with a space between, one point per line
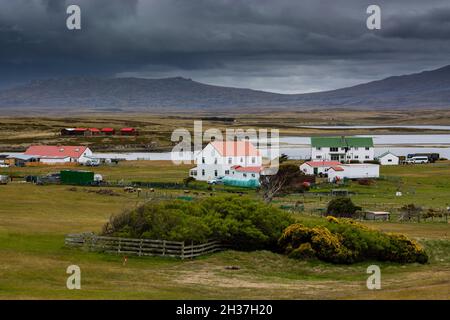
346 241
243 223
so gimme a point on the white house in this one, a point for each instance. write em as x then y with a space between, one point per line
224 158
343 149
317 167
353 171
60 154
388 159
239 172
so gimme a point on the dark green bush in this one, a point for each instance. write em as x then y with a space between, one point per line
243 223
342 207
346 241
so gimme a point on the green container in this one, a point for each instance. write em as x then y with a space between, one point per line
77 177
244 183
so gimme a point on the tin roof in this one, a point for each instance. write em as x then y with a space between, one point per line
341 142
56 151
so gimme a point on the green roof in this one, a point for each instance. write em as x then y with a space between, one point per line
341 142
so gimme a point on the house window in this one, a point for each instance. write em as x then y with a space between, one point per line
253 160
356 148
318 157
194 173
334 149
356 157
318 148
227 171
342 149
242 159
367 157
349 157
245 175
367 148
203 172
215 173
215 161
230 160
203 159
389 160
253 175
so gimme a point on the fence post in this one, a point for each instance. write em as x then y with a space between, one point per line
192 249
182 250
118 248
164 248
140 247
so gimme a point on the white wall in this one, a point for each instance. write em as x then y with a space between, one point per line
360 154
209 161
355 171
389 160
244 175
307 169
86 156
54 160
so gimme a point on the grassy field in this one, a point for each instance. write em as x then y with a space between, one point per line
155 129
33 259
148 171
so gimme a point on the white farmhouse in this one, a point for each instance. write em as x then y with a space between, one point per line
343 149
317 167
59 154
388 159
225 158
353 171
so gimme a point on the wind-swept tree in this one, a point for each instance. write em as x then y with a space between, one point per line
274 183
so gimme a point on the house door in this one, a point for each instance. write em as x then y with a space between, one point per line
334 157
316 170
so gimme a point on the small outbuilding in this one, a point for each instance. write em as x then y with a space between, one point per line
377 215
21 160
388 159
108 131
317 167
353 171
128 132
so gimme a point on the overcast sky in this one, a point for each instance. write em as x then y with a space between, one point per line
288 46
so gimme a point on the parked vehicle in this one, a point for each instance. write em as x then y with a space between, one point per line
92 163
216 181
432 157
49 178
4 179
2 165
417 160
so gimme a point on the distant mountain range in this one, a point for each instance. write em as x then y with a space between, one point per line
428 89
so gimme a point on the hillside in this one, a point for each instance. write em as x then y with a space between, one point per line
428 89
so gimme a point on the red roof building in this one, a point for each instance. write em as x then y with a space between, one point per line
59 152
247 169
108 131
318 167
128 131
317 164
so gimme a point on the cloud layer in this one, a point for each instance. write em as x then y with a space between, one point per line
282 46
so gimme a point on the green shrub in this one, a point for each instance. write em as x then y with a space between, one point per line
342 207
243 223
347 241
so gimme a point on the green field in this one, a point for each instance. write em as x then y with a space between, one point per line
33 259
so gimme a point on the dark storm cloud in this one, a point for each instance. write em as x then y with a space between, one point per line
283 45
431 25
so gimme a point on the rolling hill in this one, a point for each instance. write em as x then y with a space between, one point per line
428 89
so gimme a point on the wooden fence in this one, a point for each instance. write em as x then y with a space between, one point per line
142 247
